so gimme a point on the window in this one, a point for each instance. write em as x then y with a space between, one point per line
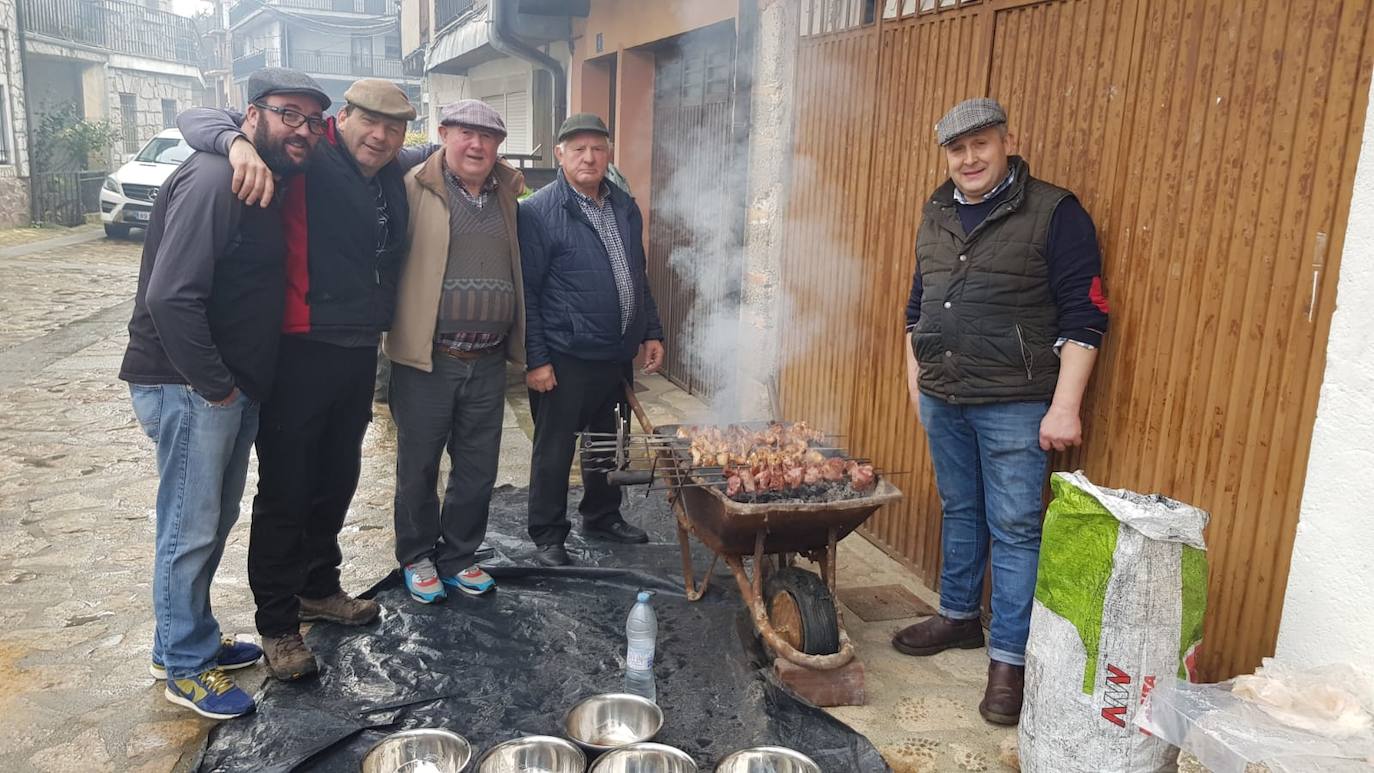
393 46
514 107
4 127
362 55
128 120
169 114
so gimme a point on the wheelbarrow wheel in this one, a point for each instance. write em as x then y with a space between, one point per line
802 611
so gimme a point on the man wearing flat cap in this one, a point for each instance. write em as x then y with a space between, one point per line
459 315
346 235
1006 313
590 313
201 358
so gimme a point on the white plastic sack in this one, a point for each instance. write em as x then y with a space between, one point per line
1119 602
1282 720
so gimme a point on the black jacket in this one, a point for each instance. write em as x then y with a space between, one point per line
571 302
342 270
208 308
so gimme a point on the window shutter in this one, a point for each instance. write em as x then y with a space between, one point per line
514 108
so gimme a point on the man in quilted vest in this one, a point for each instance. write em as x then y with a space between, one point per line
1006 314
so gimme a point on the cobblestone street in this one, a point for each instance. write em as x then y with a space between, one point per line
77 486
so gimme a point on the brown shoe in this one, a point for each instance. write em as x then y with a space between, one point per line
340 608
938 634
1006 687
288 658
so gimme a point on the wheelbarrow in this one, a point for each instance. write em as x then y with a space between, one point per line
792 609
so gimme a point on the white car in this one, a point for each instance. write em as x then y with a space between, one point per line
126 199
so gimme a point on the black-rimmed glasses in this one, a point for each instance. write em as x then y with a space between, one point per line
294 118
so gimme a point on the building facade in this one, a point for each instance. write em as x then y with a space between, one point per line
14 159
451 42
334 41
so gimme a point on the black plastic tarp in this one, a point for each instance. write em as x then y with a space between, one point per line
512 662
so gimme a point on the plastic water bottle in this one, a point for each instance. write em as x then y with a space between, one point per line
641 629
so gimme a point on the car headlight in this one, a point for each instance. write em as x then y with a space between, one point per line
112 185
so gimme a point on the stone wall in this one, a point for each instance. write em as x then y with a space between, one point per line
14 183
149 89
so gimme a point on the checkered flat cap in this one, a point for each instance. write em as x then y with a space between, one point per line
969 116
473 113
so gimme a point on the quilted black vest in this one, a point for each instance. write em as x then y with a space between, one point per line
988 319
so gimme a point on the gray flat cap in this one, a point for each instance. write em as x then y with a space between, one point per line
969 116
280 80
474 114
380 96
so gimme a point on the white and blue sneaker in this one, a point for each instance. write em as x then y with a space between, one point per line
210 694
233 654
472 581
422 580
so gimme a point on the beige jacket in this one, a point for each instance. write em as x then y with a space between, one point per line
411 340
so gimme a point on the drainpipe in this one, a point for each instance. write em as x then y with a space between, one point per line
503 39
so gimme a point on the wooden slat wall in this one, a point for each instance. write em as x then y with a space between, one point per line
1214 142
824 272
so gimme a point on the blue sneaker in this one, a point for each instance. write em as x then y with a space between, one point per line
472 581
210 694
422 580
233 654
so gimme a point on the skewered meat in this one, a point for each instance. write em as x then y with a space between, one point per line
777 458
861 476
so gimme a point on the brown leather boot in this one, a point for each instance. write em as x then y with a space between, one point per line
938 634
1002 700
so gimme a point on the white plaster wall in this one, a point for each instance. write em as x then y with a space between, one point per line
1328 611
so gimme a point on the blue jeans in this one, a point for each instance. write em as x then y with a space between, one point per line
202 463
991 473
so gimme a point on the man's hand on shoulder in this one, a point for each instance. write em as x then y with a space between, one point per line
541 379
652 352
253 182
1060 430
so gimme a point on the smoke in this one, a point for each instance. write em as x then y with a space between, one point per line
762 288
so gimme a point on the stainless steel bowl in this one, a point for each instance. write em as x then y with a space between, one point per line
533 754
612 720
428 750
645 758
767 759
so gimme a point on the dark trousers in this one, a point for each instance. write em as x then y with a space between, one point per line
309 456
459 405
585 398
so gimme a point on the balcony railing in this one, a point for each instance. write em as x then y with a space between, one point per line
320 63
126 28
250 63
345 64
446 11
241 9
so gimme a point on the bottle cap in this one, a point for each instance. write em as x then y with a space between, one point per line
644 596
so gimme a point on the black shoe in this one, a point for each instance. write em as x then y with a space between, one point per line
552 555
616 531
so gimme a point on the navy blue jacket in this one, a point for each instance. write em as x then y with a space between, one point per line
571 303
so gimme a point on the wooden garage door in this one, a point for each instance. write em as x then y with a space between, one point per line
1214 143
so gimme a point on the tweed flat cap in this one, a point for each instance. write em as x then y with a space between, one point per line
280 80
473 113
969 116
582 122
381 97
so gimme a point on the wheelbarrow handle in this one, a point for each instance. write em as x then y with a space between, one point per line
644 423
629 477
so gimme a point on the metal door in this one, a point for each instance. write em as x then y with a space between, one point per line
695 231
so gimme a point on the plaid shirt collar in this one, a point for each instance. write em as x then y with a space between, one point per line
960 198
604 192
488 187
